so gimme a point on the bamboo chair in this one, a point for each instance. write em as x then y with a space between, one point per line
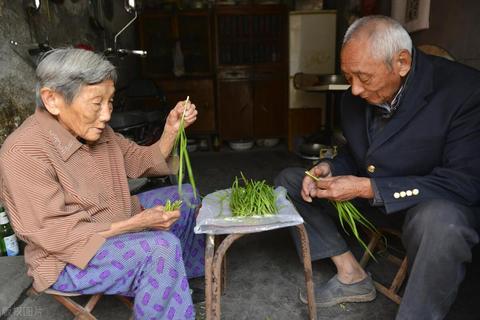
435 50
80 312
390 291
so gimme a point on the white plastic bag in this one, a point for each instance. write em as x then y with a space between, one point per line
215 216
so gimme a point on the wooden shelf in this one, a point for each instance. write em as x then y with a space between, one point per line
252 79
159 33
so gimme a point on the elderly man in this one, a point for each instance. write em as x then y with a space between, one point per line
412 123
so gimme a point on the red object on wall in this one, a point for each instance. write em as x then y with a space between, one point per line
84 46
369 7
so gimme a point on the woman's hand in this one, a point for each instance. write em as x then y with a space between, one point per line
309 188
172 125
157 218
152 218
175 115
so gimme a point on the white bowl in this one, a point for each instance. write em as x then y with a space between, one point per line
240 145
270 142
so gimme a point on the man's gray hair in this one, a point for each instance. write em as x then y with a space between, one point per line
66 70
386 36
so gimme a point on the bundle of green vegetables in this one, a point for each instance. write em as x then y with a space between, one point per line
254 198
171 206
349 214
184 161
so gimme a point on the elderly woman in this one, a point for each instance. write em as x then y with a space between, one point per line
64 182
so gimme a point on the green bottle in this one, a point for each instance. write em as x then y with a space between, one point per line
8 240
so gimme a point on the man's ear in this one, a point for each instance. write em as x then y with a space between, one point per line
404 62
51 100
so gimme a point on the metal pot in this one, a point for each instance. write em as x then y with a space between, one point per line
304 80
312 149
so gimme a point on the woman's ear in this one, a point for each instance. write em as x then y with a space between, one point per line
50 100
404 62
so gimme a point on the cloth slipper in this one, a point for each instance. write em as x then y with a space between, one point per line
335 292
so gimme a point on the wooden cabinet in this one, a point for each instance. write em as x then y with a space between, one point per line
235 66
161 34
252 77
270 109
201 93
251 35
253 106
235 109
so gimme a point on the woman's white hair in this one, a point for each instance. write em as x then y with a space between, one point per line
66 70
386 36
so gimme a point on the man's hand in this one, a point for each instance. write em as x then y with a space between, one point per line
343 188
308 185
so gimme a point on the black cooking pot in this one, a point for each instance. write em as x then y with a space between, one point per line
311 149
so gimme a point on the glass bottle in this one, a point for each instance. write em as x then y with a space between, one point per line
8 240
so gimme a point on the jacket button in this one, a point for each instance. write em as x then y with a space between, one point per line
396 195
371 168
415 192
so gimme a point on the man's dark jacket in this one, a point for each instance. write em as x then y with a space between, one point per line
430 148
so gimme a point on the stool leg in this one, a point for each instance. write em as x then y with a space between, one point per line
126 301
92 302
400 276
223 280
79 311
84 316
397 282
209 251
217 269
224 274
371 246
307 265
387 292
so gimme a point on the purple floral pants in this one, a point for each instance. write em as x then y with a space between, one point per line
151 266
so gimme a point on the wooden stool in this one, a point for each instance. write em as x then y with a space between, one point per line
215 272
80 312
392 291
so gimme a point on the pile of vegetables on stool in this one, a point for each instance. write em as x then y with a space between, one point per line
252 198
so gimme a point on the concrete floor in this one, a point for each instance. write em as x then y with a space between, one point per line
264 272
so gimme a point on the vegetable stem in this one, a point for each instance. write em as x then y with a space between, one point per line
349 214
184 160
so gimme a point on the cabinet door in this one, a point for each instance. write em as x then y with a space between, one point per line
251 35
157 39
235 111
270 108
161 31
194 33
201 93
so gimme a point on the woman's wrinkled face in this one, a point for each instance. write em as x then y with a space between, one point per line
88 114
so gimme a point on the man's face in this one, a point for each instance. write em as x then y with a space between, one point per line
371 78
89 112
